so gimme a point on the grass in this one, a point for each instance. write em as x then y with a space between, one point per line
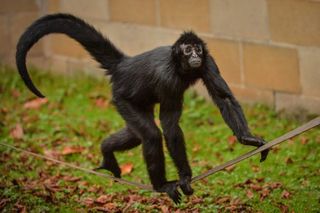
79 115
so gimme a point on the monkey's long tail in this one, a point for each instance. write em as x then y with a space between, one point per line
100 48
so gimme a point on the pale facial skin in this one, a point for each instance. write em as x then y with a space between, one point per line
193 53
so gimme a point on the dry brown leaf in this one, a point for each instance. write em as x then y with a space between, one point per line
3 203
35 103
249 194
255 187
230 168
72 149
222 200
101 102
232 140
17 132
275 185
88 201
20 208
264 193
255 168
164 209
15 93
103 199
283 208
304 140
289 160
51 153
71 179
126 168
285 194
196 148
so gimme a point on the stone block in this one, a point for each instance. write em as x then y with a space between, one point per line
294 103
17 25
244 95
227 56
53 6
4 36
58 64
138 11
252 95
9 6
270 67
145 38
244 19
95 9
63 45
39 62
295 21
310 71
191 14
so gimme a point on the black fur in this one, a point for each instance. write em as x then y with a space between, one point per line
138 83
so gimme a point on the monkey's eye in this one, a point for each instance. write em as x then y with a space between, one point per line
188 50
199 49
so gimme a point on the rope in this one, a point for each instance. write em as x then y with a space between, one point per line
311 124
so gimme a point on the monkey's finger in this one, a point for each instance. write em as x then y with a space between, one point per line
264 155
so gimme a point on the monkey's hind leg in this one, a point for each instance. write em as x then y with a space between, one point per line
120 141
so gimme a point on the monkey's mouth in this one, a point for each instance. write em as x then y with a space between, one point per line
195 63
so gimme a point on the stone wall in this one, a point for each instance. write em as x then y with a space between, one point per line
267 50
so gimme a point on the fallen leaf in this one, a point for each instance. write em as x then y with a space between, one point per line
259 180
15 93
35 103
232 140
264 193
72 149
230 168
249 194
283 208
196 148
164 209
255 168
285 194
17 132
304 140
88 201
126 168
110 206
3 203
101 102
275 185
71 179
103 199
51 153
20 208
222 200
289 160
255 187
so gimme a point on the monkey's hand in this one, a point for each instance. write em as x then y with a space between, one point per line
185 186
171 188
255 141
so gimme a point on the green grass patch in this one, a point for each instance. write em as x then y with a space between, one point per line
79 115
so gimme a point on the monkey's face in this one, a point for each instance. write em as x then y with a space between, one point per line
192 55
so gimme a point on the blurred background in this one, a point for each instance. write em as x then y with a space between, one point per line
267 50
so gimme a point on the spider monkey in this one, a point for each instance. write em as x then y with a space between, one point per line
159 76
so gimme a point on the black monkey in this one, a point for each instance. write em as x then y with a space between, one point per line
138 83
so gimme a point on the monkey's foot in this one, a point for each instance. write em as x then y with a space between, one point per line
185 186
171 188
112 168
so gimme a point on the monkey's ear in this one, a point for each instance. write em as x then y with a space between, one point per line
176 50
